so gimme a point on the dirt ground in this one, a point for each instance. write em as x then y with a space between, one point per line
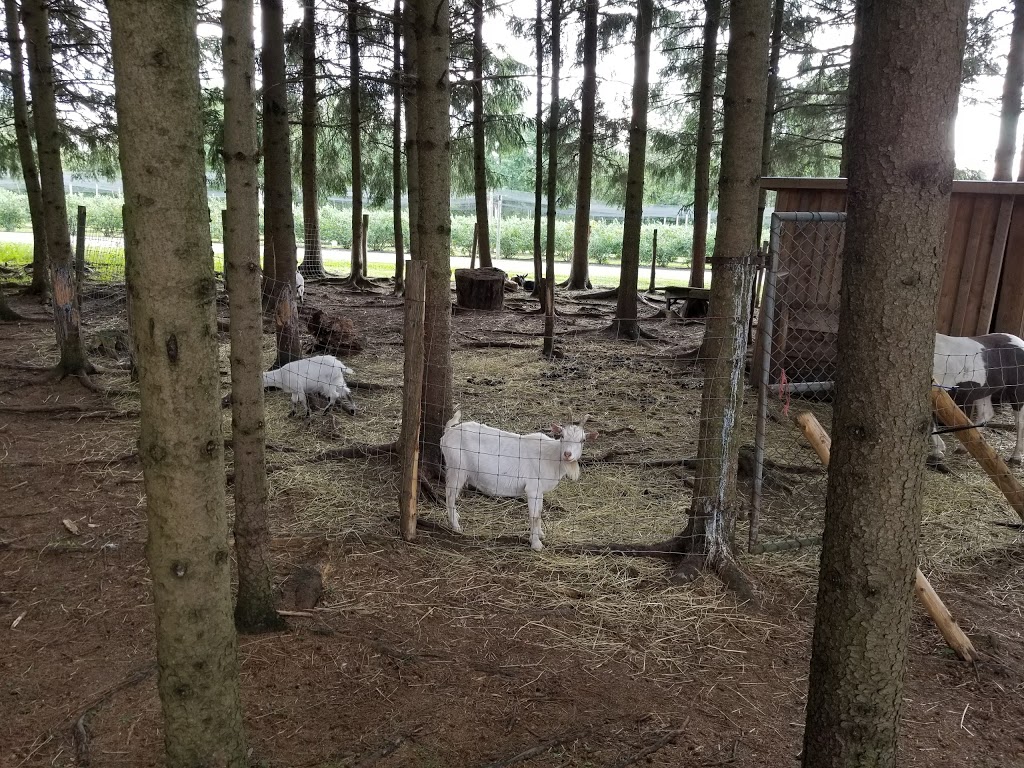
463 651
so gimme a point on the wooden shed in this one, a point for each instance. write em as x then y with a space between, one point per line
983 280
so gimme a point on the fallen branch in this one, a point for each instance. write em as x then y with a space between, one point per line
784 545
361 451
665 740
540 749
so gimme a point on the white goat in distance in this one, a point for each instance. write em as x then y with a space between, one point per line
501 463
323 374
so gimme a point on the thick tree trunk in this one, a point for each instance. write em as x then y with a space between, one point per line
851 86
538 168
479 145
1009 114
769 112
705 141
66 317
358 272
898 202
433 102
312 258
396 152
26 152
412 169
625 324
254 608
579 276
180 443
713 515
553 118
279 222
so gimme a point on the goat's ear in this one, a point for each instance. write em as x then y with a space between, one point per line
556 429
592 435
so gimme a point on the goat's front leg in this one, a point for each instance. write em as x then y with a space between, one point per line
535 503
451 492
1018 448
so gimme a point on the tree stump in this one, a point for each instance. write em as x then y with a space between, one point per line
482 288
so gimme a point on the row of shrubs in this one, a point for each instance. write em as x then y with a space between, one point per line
674 241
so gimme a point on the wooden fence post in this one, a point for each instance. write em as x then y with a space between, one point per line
80 253
409 440
654 259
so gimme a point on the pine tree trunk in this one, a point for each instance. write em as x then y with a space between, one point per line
279 222
713 515
433 102
1009 115
538 169
412 169
705 141
180 444
479 145
67 321
396 152
851 86
897 207
769 112
26 152
358 272
625 324
254 608
312 258
553 117
579 276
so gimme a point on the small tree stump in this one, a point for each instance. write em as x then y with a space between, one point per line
482 288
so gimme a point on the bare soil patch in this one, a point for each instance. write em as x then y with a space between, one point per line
467 651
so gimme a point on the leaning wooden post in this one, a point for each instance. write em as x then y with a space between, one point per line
949 414
950 630
409 440
654 259
80 253
472 248
366 253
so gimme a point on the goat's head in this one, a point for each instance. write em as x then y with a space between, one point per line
573 436
520 279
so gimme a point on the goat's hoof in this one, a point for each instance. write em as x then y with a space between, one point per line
536 546
456 527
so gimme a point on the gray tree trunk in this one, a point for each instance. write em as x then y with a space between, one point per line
1009 114
396 151
26 152
312 258
433 147
553 117
901 172
705 141
66 317
769 111
358 272
714 511
579 277
279 222
538 168
172 291
254 607
625 324
851 87
479 143
412 170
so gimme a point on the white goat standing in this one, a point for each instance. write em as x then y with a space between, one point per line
501 463
300 287
323 374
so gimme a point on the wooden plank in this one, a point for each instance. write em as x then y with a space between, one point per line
984 211
958 232
1010 300
995 265
779 183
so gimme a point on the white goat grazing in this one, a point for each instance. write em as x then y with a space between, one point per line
300 287
502 463
323 374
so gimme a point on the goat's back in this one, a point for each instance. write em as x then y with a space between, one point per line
501 463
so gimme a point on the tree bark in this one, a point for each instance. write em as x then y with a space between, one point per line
173 295
312 258
358 271
396 152
769 112
713 515
579 276
279 222
67 320
852 86
625 324
553 118
898 201
705 141
538 168
255 610
479 144
26 152
433 148
1009 114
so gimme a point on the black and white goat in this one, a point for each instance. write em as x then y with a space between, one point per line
978 371
501 463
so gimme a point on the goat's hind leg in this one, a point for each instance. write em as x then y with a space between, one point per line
536 504
452 487
1018 447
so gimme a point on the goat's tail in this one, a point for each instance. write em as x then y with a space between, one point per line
453 420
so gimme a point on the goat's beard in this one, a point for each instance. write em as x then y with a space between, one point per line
571 469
